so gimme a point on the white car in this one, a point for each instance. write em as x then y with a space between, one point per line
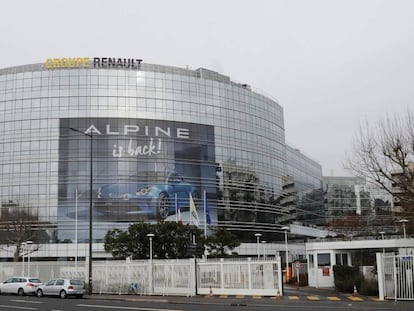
20 285
62 288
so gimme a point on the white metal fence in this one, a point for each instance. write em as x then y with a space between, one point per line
43 270
248 277
164 277
395 276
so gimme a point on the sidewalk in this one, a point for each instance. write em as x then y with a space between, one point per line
200 299
290 294
306 290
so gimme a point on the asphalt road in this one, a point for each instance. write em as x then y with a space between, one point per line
103 303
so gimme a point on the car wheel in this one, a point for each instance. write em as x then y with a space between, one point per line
163 206
20 292
62 294
39 293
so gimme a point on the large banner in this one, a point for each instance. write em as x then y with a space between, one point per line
143 171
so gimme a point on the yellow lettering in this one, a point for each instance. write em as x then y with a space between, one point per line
73 63
49 63
86 62
66 62
56 63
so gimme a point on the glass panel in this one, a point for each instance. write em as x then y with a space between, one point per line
345 259
324 260
311 261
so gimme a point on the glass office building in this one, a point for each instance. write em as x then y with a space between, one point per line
157 139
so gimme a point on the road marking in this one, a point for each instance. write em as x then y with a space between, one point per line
276 297
257 297
240 296
125 308
353 298
15 307
293 297
313 298
334 298
223 296
26 301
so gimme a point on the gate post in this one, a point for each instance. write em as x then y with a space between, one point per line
196 275
222 274
249 269
380 275
151 277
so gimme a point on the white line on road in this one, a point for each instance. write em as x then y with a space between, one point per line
126 308
15 307
25 301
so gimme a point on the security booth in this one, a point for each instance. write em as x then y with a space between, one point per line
321 262
323 255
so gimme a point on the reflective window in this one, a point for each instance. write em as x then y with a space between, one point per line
324 260
247 142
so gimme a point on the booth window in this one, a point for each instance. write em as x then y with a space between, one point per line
324 260
341 259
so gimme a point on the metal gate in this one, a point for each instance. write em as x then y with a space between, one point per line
395 276
240 277
183 277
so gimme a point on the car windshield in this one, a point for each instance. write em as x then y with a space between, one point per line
119 189
75 282
135 184
149 176
35 281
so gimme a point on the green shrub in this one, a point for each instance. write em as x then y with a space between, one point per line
347 277
303 280
369 288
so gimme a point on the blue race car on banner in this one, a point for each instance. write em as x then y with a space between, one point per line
153 194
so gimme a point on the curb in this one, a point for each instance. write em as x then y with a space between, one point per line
232 300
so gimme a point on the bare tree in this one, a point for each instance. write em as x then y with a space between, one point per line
17 225
383 154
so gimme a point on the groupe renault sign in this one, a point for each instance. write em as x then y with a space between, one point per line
98 62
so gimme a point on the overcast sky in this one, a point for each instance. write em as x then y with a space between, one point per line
330 64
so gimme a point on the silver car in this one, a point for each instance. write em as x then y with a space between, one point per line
20 285
62 288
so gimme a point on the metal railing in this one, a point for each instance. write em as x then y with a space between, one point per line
184 277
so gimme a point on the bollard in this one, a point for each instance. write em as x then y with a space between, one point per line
355 291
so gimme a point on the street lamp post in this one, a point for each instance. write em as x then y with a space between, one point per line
29 248
382 238
258 235
263 249
150 236
403 222
23 248
286 250
90 207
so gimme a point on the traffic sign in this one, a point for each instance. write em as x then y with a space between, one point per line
195 250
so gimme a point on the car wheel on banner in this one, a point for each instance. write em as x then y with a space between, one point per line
163 206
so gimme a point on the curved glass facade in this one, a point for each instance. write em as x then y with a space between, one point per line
159 138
